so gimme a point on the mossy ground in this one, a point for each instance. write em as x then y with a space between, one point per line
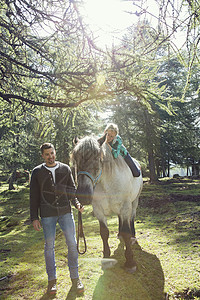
167 252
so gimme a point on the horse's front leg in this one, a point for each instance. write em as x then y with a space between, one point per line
126 234
104 232
132 227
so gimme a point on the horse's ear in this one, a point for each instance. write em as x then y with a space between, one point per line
75 140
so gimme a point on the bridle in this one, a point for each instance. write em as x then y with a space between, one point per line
94 180
80 223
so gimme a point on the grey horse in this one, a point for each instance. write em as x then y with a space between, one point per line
109 185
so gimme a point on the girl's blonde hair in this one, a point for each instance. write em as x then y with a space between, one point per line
112 126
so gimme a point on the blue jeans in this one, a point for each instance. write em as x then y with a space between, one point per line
67 225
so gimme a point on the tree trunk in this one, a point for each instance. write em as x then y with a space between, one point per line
11 180
153 177
149 143
168 169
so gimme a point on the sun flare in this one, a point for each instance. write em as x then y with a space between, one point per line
107 18
105 13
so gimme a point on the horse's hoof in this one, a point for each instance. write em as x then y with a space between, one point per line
106 254
131 270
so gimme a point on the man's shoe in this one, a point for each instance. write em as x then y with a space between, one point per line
77 285
51 289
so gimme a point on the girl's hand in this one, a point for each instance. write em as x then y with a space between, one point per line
106 139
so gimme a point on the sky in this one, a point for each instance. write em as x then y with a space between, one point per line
109 19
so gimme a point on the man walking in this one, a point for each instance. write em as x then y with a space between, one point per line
51 190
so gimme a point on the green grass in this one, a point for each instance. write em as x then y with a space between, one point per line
167 253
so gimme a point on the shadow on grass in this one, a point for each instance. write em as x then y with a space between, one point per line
15 246
47 297
72 295
146 283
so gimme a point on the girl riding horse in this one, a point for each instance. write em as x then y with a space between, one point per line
114 142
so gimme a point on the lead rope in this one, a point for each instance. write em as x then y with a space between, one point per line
81 234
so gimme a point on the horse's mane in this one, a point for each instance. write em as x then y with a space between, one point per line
106 153
87 150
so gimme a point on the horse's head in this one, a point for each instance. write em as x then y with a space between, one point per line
86 156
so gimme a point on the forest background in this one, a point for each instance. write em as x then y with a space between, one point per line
58 82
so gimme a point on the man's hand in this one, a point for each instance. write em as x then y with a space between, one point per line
37 225
80 207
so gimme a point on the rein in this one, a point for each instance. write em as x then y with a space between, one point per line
81 234
80 223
